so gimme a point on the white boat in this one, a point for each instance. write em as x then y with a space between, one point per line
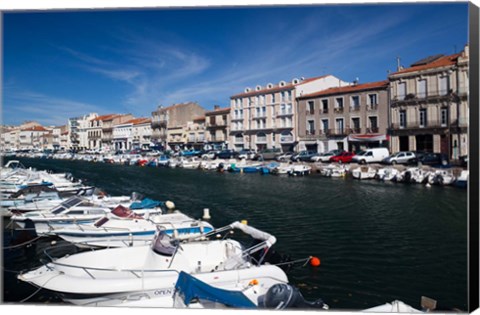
334 170
413 175
71 211
462 180
441 177
364 172
387 174
299 170
189 163
394 307
115 276
125 228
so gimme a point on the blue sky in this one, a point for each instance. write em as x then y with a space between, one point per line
63 64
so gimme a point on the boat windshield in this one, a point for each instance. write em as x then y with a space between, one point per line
67 204
162 244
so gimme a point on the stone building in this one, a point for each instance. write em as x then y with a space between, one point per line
173 117
429 105
349 118
264 117
217 124
78 134
132 134
100 131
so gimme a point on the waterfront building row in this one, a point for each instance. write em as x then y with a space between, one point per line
423 107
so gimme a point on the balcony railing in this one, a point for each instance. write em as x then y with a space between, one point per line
338 132
356 130
372 107
238 140
311 112
261 139
419 124
239 117
285 112
355 108
325 110
286 139
338 110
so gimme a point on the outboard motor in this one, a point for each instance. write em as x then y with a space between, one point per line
283 296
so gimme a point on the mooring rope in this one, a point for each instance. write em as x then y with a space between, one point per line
39 289
295 261
22 244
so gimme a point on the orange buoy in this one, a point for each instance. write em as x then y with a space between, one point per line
314 261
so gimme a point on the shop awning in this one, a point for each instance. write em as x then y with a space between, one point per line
368 138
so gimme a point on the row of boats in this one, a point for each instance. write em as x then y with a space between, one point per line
144 252
139 252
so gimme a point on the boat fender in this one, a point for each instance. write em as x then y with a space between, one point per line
206 214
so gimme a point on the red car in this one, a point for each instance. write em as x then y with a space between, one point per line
344 157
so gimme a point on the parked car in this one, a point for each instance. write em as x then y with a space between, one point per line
343 157
323 157
402 157
371 155
267 154
430 158
246 154
286 156
227 154
304 156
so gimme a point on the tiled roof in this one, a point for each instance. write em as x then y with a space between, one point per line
199 118
138 121
348 89
106 117
35 128
217 111
437 63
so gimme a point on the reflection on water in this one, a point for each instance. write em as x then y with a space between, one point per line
377 242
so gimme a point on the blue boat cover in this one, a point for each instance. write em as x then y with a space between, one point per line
146 204
189 288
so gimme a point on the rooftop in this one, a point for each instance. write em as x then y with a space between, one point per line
348 89
432 62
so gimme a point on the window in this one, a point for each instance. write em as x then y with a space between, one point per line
372 99
356 124
402 90
444 116
264 111
355 102
423 117
339 125
403 119
325 125
310 127
273 98
262 99
339 102
443 85
422 89
373 123
325 106
310 107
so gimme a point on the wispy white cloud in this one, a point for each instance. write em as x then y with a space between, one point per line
47 110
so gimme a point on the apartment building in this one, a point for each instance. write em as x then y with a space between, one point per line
60 139
429 105
132 134
265 116
172 117
217 125
349 118
36 137
78 133
100 131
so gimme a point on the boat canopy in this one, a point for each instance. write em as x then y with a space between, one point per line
146 203
190 288
122 212
255 233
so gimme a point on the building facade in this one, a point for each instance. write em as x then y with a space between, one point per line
265 117
429 106
217 125
100 131
174 117
348 118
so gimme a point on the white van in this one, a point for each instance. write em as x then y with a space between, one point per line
371 155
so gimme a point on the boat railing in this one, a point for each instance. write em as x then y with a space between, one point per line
138 273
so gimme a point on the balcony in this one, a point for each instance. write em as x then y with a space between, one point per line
337 132
311 112
159 124
262 139
287 139
285 112
417 127
234 118
338 110
355 109
356 130
372 107
325 111
216 125
260 116
429 97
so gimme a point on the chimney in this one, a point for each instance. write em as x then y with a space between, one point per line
216 107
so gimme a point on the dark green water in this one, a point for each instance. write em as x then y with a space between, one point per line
377 242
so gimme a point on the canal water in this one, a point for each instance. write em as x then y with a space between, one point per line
377 242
